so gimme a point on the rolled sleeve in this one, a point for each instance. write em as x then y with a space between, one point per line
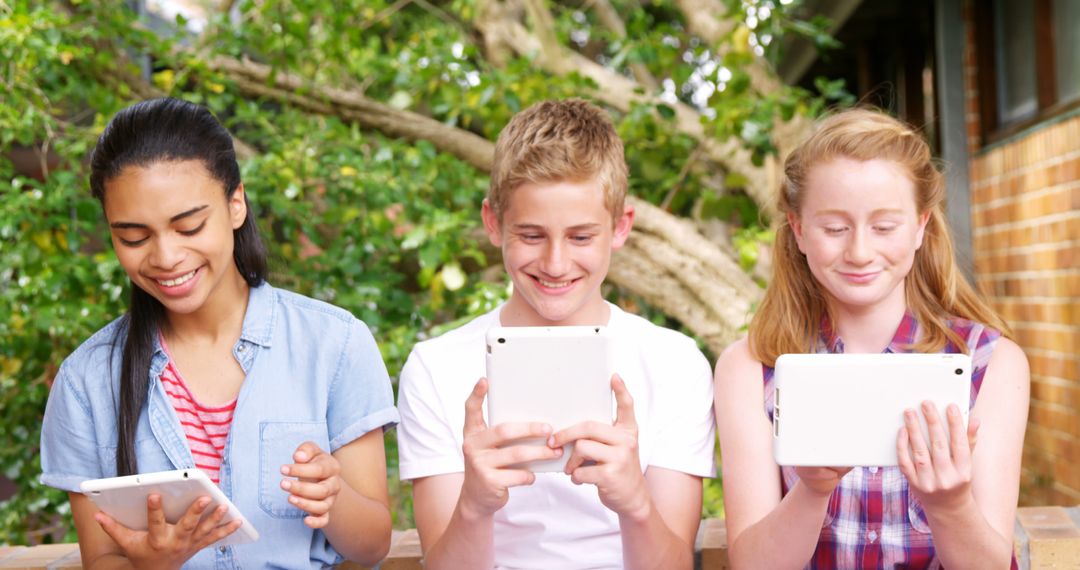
361 397
69 452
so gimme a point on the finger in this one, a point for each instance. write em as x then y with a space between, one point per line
958 440
474 410
595 451
306 452
317 522
624 415
903 455
514 478
509 432
595 431
190 521
939 440
517 454
314 471
218 533
155 515
308 490
920 454
973 432
210 522
591 475
120 534
310 506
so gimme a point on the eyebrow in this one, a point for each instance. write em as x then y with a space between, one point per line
579 227
176 218
874 213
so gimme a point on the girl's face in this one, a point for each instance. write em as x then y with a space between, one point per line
859 229
172 230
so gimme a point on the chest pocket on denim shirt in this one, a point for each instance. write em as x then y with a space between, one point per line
277 442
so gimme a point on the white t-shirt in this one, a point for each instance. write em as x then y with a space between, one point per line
554 523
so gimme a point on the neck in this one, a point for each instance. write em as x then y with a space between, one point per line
869 329
518 313
220 318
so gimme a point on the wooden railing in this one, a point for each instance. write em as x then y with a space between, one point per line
1046 538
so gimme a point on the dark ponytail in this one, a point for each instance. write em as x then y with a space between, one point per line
164 130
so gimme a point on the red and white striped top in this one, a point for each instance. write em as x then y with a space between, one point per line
206 427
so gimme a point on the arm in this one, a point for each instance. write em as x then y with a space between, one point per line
106 544
764 529
345 494
455 512
970 496
662 535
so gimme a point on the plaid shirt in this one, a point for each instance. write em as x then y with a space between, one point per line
873 521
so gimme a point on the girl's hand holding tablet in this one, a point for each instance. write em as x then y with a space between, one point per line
821 480
317 483
939 473
607 456
165 545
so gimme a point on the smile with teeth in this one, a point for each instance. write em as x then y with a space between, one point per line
178 281
554 284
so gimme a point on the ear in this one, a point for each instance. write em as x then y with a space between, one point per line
796 229
923 219
491 224
622 227
237 207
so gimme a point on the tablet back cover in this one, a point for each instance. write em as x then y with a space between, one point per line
847 409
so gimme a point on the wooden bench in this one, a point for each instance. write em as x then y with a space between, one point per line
1046 538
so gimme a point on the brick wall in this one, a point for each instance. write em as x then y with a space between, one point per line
1025 197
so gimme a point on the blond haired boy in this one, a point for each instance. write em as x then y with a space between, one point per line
631 493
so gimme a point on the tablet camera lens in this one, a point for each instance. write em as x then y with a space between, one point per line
502 340
185 474
959 371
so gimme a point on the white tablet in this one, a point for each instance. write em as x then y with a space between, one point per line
124 499
843 410
557 375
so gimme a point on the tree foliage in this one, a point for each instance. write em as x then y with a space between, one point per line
384 226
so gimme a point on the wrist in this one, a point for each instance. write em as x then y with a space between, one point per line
955 510
470 512
639 511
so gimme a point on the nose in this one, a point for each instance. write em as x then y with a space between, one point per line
165 253
858 251
555 262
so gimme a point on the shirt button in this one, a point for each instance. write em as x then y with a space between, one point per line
872 535
873 469
221 549
241 348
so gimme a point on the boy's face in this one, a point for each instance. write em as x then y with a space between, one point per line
556 241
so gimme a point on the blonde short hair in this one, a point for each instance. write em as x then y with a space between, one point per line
559 141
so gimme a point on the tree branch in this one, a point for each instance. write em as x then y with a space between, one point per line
621 92
666 261
610 19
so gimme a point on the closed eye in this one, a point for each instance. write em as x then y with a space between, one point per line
834 230
194 230
132 243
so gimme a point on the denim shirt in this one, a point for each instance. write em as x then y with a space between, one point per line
313 372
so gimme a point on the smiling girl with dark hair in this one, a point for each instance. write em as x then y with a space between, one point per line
280 399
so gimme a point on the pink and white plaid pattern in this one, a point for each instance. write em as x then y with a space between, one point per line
872 521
